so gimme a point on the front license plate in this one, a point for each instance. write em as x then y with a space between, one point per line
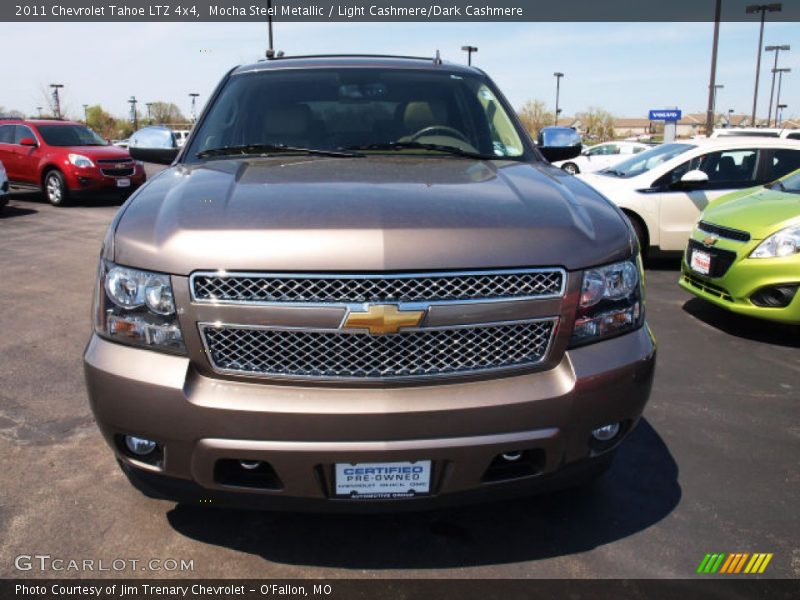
701 262
375 481
123 183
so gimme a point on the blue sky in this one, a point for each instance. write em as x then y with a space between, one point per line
626 68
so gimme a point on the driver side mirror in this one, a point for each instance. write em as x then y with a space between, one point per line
28 141
559 143
693 179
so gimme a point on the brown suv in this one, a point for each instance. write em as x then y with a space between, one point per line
359 286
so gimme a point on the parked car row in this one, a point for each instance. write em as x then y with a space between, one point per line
65 160
601 156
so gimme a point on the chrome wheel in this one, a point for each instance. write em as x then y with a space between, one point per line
55 188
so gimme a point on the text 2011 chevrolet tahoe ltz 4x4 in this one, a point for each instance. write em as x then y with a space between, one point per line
360 285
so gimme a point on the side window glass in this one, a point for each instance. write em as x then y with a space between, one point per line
735 167
7 134
784 162
670 178
598 150
22 132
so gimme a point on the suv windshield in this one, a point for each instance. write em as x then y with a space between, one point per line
649 159
358 109
70 135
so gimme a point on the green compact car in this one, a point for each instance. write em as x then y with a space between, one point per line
744 253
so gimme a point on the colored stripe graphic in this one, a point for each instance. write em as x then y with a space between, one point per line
731 564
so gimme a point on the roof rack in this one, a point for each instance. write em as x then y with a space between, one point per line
292 57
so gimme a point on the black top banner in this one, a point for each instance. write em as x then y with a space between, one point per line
389 10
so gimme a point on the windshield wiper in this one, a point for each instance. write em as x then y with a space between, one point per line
396 146
265 149
779 185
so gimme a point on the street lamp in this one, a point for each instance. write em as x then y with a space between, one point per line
730 116
763 9
85 113
56 99
558 75
148 105
776 50
194 96
134 116
780 73
780 110
39 108
469 50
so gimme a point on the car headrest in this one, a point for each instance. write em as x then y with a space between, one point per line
418 115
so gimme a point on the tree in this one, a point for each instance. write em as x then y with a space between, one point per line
534 115
166 112
11 113
597 123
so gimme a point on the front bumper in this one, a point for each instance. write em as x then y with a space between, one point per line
303 431
92 181
745 277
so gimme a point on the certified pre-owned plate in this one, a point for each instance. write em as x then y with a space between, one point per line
123 182
375 481
701 262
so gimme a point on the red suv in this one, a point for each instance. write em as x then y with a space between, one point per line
65 160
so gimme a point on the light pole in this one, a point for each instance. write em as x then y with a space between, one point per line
763 9
39 108
717 87
194 96
776 50
85 113
149 105
780 73
270 47
713 77
730 116
558 75
56 99
469 50
134 116
779 110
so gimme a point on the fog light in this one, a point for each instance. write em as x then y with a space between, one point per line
606 432
139 446
250 465
512 456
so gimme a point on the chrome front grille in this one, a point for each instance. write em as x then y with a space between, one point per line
258 288
332 354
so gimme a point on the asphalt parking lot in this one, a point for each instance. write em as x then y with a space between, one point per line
713 467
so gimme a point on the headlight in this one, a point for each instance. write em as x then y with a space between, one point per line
611 302
79 160
137 307
783 243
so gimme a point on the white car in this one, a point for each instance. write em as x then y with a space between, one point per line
663 190
3 186
786 134
601 156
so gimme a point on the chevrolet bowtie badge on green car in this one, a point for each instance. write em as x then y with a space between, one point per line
744 253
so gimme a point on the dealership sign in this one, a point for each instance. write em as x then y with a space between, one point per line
665 115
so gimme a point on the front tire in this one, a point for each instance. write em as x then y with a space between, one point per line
641 234
571 168
55 188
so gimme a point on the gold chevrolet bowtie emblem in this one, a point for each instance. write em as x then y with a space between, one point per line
380 319
710 240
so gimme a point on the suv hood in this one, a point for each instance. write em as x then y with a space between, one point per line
367 214
759 211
